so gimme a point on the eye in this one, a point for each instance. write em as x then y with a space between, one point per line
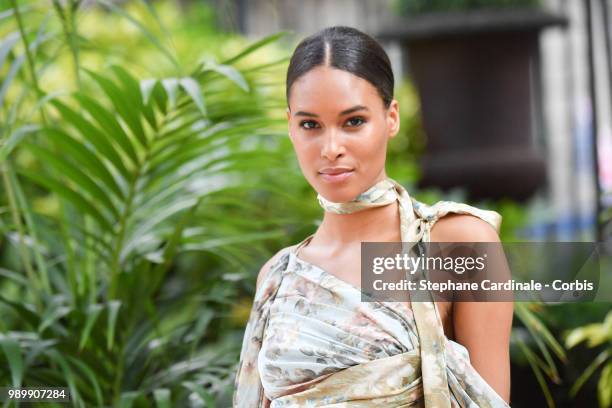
355 121
308 124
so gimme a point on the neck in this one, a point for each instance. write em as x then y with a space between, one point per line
374 224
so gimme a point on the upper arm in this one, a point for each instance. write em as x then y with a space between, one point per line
263 272
482 327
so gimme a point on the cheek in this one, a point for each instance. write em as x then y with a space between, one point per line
371 149
306 152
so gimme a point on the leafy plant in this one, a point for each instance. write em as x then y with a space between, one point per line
538 346
595 335
134 174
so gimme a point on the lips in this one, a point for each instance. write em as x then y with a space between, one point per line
335 174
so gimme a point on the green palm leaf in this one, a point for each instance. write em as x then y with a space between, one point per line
119 181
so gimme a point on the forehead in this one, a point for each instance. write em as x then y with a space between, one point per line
330 89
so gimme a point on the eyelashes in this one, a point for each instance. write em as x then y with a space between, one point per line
353 122
359 119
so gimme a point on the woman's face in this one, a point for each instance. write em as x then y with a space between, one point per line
340 127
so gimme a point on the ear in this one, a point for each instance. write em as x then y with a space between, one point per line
393 118
288 124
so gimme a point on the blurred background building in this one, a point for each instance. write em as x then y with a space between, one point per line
512 99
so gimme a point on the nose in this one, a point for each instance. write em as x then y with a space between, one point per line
333 148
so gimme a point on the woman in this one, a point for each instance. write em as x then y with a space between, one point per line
310 341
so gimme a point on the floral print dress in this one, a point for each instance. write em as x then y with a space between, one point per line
310 341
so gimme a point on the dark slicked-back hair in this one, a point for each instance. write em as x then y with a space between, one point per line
348 49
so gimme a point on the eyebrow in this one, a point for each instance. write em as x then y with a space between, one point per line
344 112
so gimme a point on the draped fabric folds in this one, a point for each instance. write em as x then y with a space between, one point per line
321 347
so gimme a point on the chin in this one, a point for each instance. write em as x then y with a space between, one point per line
338 193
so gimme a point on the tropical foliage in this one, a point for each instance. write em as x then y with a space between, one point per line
596 335
130 175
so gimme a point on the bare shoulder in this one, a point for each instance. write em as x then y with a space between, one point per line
266 266
463 228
